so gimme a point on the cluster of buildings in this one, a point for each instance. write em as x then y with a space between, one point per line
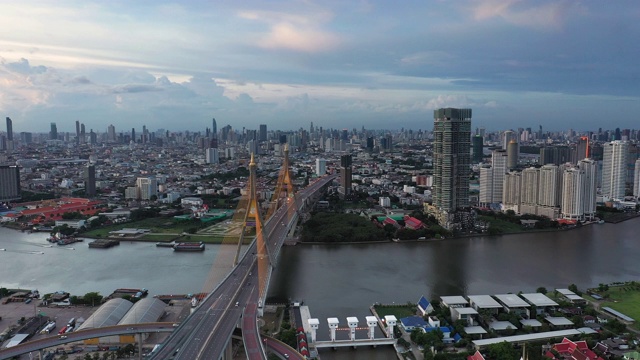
449 170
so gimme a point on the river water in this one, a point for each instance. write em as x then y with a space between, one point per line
342 280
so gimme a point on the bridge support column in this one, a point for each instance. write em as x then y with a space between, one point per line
352 321
333 325
228 351
313 324
140 346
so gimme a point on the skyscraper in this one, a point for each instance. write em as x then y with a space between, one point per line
590 168
9 129
451 160
90 181
477 143
321 166
111 133
9 183
77 132
53 134
263 132
212 156
214 129
147 187
614 169
345 175
512 155
573 194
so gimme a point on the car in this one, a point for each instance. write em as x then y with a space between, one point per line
63 336
286 355
176 325
237 302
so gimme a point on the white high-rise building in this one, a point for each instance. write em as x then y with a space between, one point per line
590 168
511 195
499 168
148 187
636 180
486 185
549 194
212 156
529 190
614 169
573 194
321 166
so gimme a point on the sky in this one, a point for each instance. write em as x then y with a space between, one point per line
340 64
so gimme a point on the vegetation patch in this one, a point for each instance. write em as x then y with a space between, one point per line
399 311
625 299
336 228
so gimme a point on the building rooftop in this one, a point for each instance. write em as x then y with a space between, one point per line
528 337
454 300
558 321
530 322
501 325
539 300
474 330
570 295
466 311
484 301
512 300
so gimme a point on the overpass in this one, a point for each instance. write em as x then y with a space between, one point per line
57 340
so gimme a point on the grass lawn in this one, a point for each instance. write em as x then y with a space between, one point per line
160 225
506 226
399 311
625 299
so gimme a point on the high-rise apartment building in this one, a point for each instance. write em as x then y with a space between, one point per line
147 187
321 166
614 169
111 133
511 194
590 168
529 190
9 183
451 163
212 156
549 193
512 155
345 175
573 194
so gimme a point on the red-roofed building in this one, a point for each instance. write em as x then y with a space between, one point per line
390 221
476 356
52 213
570 350
413 223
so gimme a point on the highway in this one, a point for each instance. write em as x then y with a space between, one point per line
57 340
206 332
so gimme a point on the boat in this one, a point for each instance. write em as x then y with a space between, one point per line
199 246
164 244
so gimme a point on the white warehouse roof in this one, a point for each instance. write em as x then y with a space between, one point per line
484 301
109 314
539 300
512 300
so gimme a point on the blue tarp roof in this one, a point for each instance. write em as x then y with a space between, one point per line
423 303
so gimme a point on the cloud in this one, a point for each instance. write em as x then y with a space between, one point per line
302 32
134 88
533 14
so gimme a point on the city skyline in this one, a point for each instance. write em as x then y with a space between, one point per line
344 64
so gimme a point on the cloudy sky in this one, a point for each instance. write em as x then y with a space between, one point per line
378 64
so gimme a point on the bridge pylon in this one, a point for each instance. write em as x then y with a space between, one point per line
284 191
253 218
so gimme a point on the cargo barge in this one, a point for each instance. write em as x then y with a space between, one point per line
189 246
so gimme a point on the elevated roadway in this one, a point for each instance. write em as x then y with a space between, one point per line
205 334
57 340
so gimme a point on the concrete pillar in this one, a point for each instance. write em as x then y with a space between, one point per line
140 346
313 323
391 321
352 321
228 351
333 325
372 321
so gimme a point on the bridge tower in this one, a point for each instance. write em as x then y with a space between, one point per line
284 191
371 323
352 321
333 325
391 322
314 323
253 218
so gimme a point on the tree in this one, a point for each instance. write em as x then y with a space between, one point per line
92 298
574 288
502 351
541 290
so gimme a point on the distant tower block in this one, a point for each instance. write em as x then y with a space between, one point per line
333 325
352 321
391 322
314 323
372 321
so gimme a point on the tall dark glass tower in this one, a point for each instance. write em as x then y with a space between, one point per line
9 129
451 160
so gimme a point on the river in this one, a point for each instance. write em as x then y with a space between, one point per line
343 280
